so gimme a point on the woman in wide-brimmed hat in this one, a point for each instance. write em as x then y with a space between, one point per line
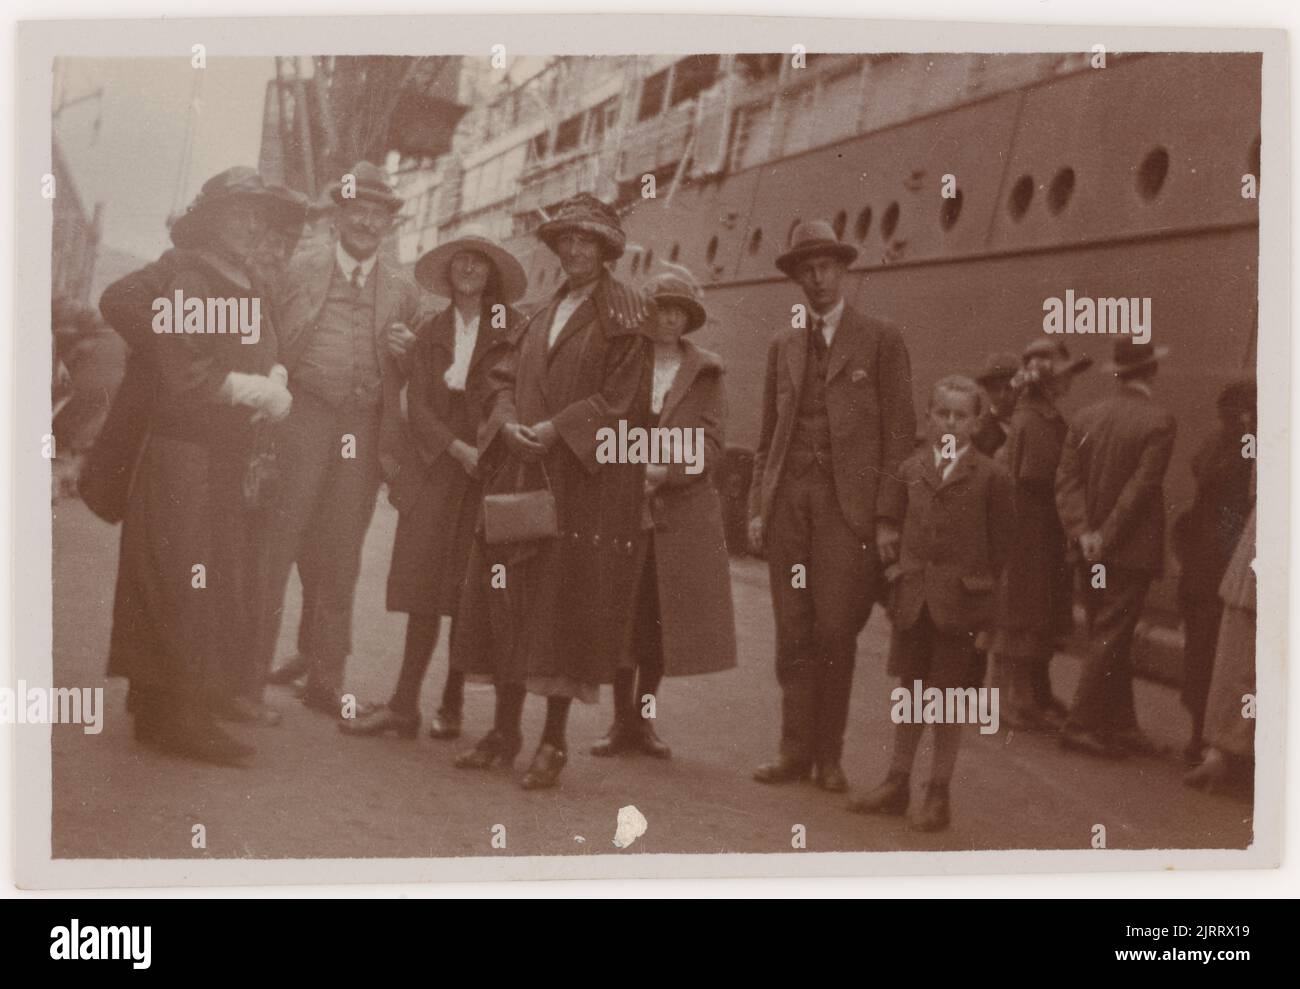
187 585
683 620
1035 593
437 489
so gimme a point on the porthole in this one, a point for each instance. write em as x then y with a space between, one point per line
711 252
755 240
1022 194
841 221
1060 190
649 260
889 222
675 252
862 226
1152 172
950 210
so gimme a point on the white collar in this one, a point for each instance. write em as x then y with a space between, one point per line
347 263
830 319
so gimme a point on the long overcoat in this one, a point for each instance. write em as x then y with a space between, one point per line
692 569
558 623
1035 592
437 502
187 572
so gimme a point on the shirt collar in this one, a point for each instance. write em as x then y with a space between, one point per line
347 263
941 461
830 319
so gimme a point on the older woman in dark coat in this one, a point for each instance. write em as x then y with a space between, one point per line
437 489
683 621
1034 597
187 571
548 615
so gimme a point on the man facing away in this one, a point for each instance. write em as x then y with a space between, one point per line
1110 496
837 414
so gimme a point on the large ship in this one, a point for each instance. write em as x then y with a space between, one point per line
975 186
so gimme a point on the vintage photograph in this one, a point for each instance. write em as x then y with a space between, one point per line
783 451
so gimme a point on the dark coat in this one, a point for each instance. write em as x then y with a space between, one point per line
1111 478
397 299
868 400
955 538
1034 595
186 508
437 502
559 624
1206 534
692 569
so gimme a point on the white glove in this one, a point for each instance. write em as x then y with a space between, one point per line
261 392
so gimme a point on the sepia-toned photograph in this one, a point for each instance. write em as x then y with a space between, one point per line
780 449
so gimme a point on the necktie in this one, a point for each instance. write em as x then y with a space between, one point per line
356 279
819 337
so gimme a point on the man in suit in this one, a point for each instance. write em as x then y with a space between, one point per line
1109 493
837 414
346 317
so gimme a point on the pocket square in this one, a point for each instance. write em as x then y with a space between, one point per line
859 375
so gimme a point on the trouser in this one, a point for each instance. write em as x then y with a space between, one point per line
646 670
1103 702
329 482
820 609
1201 619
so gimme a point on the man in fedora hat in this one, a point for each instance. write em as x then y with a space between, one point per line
995 380
346 316
1110 496
837 414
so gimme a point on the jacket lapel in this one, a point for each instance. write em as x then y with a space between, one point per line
959 471
843 344
796 358
489 338
385 294
691 365
583 315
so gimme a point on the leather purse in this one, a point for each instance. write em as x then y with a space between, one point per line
520 516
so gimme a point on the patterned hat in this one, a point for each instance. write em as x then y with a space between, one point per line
588 214
240 183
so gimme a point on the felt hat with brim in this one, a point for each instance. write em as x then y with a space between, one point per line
587 214
370 184
433 269
679 288
1132 357
811 240
238 184
1056 350
998 367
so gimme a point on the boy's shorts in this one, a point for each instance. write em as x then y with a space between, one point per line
937 657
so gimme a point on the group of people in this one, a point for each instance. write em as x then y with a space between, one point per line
230 461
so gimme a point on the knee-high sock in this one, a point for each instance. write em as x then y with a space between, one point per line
557 720
947 738
624 699
509 709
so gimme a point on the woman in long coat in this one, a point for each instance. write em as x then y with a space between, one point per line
437 489
548 615
187 571
1035 594
683 622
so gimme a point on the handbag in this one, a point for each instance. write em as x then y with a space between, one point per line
262 473
520 516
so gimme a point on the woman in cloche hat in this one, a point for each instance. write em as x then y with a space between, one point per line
437 488
682 619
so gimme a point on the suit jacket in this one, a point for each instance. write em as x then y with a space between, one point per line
956 534
1111 478
868 400
397 299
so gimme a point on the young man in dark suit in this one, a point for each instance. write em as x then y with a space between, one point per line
1110 496
837 416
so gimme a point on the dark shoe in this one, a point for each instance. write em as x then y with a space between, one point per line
784 770
493 749
1194 753
198 740
1079 740
380 720
651 744
1134 742
832 779
617 739
244 711
293 669
544 772
323 703
1211 774
444 726
299 687
934 814
890 797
